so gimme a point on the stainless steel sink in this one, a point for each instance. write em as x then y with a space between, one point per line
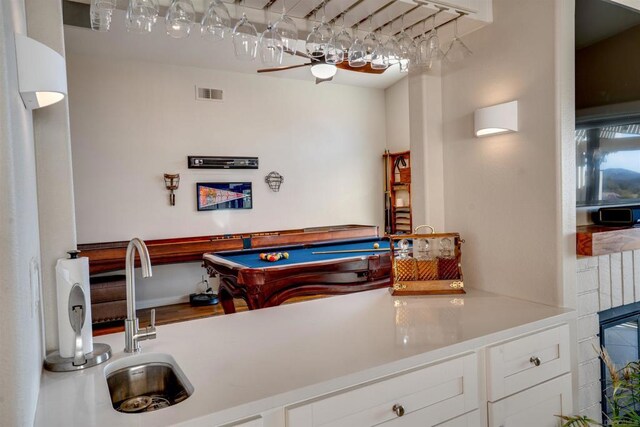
146 385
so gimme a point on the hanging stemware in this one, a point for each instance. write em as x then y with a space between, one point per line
288 31
141 15
370 41
357 52
422 54
319 37
407 48
379 57
216 21
180 18
100 12
338 46
245 39
271 46
434 53
457 50
392 49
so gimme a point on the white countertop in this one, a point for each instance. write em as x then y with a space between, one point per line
247 363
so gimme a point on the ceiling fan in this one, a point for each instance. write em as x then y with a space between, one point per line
322 71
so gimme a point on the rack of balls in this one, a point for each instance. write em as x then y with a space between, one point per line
273 257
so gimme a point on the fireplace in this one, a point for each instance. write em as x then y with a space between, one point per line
620 336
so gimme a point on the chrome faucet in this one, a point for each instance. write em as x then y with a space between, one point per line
132 334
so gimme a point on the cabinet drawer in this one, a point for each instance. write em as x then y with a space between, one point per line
535 407
472 419
434 393
247 422
511 366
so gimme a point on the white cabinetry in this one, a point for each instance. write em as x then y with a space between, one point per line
528 380
534 407
423 397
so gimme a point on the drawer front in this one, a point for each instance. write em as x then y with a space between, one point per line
424 418
247 422
472 419
439 392
524 362
535 407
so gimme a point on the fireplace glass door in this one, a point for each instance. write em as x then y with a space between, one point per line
619 335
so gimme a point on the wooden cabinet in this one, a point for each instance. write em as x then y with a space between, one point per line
397 169
423 397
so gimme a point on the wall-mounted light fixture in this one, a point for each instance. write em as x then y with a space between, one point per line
497 119
172 182
42 74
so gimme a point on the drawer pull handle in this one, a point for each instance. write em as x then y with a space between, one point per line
535 360
398 409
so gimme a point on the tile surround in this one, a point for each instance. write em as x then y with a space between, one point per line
604 282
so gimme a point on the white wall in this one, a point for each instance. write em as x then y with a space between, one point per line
396 99
20 333
508 195
133 121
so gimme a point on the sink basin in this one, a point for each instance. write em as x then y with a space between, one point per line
146 383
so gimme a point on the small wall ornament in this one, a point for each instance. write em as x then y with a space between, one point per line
172 182
273 180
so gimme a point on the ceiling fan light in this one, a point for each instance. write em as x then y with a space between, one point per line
323 71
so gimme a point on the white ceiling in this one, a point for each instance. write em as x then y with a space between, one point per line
196 52
597 20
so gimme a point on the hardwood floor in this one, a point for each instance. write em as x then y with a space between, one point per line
182 312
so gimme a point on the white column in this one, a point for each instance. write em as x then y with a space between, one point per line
53 166
427 176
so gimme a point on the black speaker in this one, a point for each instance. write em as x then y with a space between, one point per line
617 217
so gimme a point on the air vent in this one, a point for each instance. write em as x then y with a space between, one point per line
208 94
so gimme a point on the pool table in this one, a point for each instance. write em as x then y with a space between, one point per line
264 284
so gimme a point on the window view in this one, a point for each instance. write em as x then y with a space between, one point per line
608 164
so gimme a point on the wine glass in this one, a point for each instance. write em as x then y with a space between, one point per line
434 53
334 54
392 50
407 49
245 39
379 57
271 47
357 52
457 50
141 15
288 32
100 12
180 18
215 22
370 42
319 37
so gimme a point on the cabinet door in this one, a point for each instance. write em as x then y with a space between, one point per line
535 407
247 422
424 418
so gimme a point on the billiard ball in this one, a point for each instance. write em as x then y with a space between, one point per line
286 255
376 245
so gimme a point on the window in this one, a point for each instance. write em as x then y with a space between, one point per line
608 162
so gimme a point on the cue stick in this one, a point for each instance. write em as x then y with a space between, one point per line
346 251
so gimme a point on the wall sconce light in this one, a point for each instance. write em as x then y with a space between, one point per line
497 119
172 181
42 74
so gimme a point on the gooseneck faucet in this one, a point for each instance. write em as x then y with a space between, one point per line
132 334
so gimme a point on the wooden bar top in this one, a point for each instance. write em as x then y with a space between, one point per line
595 240
110 256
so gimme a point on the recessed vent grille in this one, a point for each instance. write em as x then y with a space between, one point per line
208 94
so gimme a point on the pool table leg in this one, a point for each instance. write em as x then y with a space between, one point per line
226 299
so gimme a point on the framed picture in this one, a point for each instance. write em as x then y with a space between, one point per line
213 196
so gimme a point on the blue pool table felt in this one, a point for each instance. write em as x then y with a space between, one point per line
303 255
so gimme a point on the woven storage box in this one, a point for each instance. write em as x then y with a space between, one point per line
439 273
